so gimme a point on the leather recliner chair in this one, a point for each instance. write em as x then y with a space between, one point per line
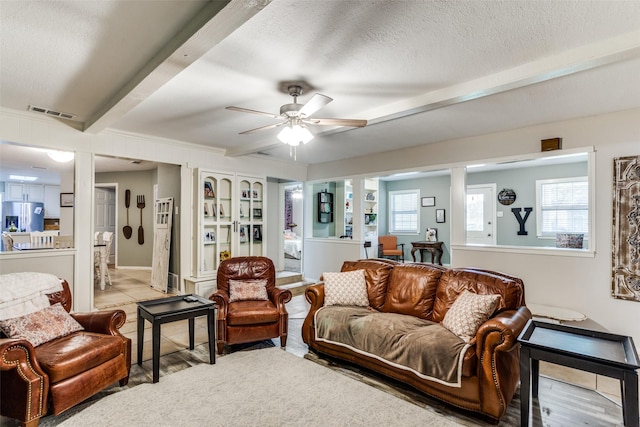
61 373
250 320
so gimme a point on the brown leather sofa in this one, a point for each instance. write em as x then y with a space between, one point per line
62 373
490 368
249 321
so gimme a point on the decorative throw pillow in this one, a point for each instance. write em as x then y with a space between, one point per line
346 288
244 290
41 326
468 312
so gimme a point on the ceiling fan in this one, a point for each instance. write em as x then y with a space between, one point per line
296 117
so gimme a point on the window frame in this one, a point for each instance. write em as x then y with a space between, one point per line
391 222
539 219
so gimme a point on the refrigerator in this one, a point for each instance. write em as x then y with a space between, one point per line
26 216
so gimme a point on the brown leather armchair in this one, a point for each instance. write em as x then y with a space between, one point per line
388 247
62 373
250 320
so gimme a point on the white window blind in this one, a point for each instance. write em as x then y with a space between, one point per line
403 211
562 206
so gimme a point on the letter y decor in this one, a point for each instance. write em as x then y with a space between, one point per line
626 228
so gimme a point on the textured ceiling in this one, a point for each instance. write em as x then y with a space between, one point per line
419 71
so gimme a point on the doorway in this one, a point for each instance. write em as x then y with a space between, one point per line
481 214
291 219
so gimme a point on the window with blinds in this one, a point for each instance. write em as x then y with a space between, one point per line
403 211
562 206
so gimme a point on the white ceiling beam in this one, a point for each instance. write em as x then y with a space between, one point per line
566 63
209 27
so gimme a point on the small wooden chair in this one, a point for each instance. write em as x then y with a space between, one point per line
388 248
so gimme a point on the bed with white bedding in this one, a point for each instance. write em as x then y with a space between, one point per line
292 245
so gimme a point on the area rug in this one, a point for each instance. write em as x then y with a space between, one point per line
266 387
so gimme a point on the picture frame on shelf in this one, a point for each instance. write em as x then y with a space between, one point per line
245 194
243 234
257 212
428 201
208 190
255 194
66 200
221 210
206 210
257 233
440 215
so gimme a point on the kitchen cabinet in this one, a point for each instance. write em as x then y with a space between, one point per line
19 192
52 201
230 219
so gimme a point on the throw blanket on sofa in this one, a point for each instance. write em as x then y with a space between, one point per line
425 348
24 293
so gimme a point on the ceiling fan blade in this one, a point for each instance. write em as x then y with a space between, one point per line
262 128
247 110
356 123
317 102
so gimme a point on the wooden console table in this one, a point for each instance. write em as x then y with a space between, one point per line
435 248
592 351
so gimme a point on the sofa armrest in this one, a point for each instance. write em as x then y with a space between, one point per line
508 324
499 358
103 322
315 296
24 384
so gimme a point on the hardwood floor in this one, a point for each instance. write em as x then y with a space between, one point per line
559 403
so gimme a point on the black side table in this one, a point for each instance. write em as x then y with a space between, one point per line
171 309
592 351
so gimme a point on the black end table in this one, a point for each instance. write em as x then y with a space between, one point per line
592 351
171 309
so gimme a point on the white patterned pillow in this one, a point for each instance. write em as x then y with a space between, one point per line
248 290
41 326
468 312
347 288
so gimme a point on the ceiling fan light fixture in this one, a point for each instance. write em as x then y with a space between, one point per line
293 135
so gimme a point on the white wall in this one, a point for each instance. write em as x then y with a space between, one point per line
579 283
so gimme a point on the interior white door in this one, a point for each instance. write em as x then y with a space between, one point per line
481 214
105 215
161 243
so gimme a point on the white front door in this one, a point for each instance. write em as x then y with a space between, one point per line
481 214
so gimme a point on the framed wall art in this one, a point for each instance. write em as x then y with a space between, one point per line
440 215
428 201
626 228
66 200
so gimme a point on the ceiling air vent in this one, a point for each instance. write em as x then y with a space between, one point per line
52 113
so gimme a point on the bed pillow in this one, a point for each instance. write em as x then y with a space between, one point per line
346 288
248 290
468 312
41 326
